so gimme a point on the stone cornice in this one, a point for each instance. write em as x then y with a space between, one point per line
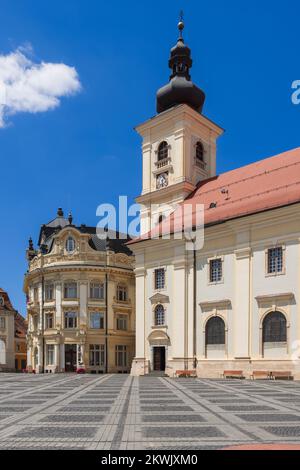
225 303
287 296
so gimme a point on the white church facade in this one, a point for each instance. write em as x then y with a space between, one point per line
234 304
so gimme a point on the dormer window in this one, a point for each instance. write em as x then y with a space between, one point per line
70 245
199 152
163 151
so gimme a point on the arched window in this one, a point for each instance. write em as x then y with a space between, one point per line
70 244
275 328
163 151
159 315
199 152
215 331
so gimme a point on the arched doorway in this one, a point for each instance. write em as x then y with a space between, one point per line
215 338
274 335
159 341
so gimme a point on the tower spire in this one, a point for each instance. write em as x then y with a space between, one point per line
180 24
180 89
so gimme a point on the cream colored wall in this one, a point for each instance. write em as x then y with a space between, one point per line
242 244
181 127
8 336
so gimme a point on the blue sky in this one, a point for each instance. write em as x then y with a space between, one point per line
85 151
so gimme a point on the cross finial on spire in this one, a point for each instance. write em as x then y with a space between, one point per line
181 24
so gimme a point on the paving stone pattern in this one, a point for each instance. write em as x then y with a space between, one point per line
154 413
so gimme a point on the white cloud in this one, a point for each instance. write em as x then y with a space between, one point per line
31 87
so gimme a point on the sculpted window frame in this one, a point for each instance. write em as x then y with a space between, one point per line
268 250
122 292
67 288
210 261
156 271
93 287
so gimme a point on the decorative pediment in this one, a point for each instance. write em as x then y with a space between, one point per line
215 304
159 338
159 299
287 297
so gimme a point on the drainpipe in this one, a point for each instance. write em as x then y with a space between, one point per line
106 304
194 308
43 321
106 322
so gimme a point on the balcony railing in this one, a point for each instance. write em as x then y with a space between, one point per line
162 163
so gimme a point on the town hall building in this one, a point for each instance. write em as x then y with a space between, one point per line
235 303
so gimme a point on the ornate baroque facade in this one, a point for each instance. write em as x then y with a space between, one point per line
80 306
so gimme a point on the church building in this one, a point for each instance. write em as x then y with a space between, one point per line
235 303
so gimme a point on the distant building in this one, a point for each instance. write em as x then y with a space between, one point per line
12 336
80 300
20 343
7 333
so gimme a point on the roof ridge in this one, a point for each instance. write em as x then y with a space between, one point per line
249 196
202 183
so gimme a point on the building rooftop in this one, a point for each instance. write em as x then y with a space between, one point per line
115 242
264 185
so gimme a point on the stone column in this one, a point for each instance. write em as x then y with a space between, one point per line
29 356
62 357
56 357
83 301
242 303
58 299
179 337
40 299
140 363
39 367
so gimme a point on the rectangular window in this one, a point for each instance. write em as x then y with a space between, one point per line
97 355
122 322
70 320
215 270
49 321
35 294
97 320
96 290
159 278
122 293
121 356
35 322
70 290
49 292
50 354
275 260
2 323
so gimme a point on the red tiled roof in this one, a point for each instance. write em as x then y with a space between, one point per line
20 326
264 185
7 303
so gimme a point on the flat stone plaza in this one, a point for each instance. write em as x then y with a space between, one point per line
117 412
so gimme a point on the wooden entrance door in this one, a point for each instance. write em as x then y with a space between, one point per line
159 359
70 357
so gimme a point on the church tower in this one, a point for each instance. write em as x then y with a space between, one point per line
179 143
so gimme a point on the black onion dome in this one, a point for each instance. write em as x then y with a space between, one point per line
180 89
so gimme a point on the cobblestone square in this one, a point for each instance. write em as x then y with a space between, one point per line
118 412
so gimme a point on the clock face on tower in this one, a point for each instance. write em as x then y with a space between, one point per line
162 181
